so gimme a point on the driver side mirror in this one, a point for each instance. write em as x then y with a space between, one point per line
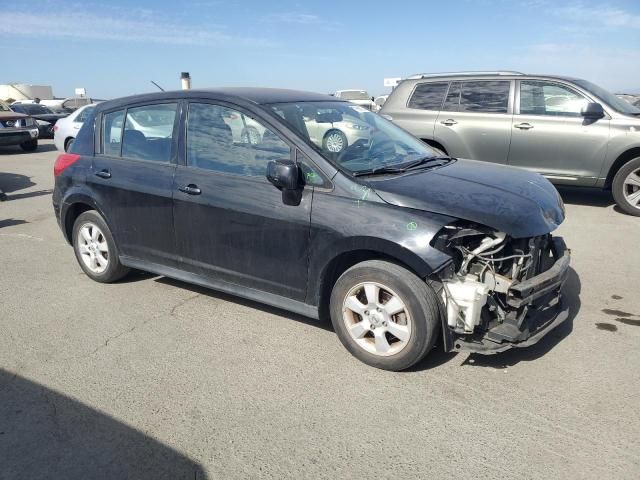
592 111
284 174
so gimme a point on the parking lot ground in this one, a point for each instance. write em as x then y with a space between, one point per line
154 378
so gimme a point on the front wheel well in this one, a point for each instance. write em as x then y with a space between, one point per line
620 161
435 144
73 212
340 264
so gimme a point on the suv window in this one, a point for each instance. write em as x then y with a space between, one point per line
225 140
452 102
112 132
428 96
485 96
148 132
545 98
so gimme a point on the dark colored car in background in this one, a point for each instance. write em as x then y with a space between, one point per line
17 129
397 244
44 116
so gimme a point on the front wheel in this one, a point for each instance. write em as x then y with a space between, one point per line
626 187
95 249
386 316
30 146
334 141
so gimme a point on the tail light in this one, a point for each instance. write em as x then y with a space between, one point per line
63 161
55 128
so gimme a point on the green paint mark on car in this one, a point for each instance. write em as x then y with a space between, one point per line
412 226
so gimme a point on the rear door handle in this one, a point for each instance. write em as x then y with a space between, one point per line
449 122
104 174
524 126
190 189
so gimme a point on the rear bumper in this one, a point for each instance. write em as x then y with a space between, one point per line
540 296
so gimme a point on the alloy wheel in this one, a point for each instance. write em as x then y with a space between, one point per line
93 247
335 142
377 318
631 188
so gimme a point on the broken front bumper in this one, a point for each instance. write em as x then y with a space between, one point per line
541 296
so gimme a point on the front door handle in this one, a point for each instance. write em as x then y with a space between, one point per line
190 189
524 126
103 173
449 122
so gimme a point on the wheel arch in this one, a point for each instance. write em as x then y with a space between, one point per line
435 144
359 251
619 163
74 206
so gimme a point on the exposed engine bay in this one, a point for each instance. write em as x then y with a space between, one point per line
483 292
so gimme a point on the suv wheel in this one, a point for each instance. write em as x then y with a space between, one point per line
626 187
95 249
334 141
30 146
386 316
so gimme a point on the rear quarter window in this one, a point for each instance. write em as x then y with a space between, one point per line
428 96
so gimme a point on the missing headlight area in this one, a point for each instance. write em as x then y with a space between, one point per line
500 291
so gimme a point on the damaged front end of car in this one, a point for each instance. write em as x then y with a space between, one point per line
499 292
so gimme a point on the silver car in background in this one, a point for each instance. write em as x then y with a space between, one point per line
66 129
358 97
569 130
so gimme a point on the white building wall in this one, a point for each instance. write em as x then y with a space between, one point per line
43 92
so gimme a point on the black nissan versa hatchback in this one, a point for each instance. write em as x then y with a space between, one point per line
238 190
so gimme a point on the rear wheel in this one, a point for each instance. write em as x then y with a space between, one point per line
95 249
386 316
626 187
30 146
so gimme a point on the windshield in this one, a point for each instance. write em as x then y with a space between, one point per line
354 95
614 102
4 107
351 136
35 109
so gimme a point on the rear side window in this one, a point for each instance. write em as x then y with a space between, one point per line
83 115
485 96
428 96
112 132
452 102
148 132
228 141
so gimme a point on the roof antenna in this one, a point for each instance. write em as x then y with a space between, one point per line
162 89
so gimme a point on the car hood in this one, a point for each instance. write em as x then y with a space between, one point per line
511 200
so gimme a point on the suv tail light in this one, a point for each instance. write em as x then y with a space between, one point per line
63 161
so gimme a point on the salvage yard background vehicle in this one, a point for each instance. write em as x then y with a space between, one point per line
397 244
334 131
569 130
44 117
17 129
66 129
358 97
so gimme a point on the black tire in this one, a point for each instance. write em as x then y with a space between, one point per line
67 144
30 146
114 270
620 190
342 136
420 300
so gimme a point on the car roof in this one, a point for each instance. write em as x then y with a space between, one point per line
259 96
502 75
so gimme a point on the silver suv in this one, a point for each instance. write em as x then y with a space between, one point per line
569 130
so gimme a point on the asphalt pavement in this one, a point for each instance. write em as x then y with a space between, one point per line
152 378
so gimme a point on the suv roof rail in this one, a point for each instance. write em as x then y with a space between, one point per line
418 76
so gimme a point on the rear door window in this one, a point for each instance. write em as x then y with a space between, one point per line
428 96
148 132
485 96
452 102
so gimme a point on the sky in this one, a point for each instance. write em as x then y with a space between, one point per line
115 48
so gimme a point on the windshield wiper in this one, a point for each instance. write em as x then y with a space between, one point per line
405 167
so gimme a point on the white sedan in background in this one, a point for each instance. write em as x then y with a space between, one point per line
66 129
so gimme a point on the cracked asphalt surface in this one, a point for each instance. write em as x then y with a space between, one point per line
154 378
